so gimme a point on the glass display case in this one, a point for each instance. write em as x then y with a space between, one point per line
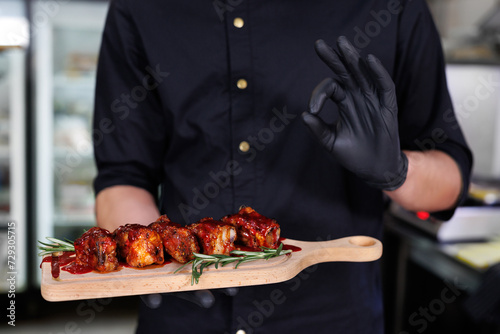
13 224
65 53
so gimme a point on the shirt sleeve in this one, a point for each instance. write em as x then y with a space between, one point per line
128 126
427 120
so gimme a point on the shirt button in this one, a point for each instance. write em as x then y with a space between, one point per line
241 331
244 146
238 22
242 84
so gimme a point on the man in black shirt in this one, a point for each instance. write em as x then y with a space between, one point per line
200 109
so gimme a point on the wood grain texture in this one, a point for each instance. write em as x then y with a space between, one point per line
130 281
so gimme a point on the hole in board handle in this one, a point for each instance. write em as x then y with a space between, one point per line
362 241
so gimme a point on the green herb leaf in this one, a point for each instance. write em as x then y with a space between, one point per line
202 261
56 245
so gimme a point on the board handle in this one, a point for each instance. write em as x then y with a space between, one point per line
349 249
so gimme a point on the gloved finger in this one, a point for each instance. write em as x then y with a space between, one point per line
153 300
354 64
230 291
331 89
332 59
320 130
202 298
383 82
326 89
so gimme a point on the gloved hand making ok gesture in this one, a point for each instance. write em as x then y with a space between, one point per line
365 137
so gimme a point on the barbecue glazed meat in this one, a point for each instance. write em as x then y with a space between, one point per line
253 229
214 236
96 249
178 241
139 245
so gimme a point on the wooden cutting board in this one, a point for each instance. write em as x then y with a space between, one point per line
131 281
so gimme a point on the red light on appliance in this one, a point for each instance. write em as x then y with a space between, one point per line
423 215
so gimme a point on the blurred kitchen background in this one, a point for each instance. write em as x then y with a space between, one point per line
438 277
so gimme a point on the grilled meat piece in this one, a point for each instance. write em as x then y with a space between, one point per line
178 241
253 229
96 249
214 236
139 245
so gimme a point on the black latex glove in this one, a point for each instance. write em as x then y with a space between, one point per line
202 298
365 137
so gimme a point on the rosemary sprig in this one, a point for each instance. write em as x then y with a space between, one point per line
202 261
56 245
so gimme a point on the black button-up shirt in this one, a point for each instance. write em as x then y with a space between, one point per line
199 102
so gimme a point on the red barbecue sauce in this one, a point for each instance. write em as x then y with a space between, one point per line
67 263
290 247
56 262
77 268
